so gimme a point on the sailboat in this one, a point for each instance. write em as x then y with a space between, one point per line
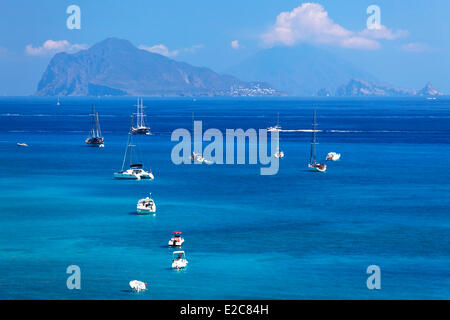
136 170
277 126
313 164
140 128
198 158
58 103
95 139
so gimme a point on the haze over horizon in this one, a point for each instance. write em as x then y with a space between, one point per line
411 48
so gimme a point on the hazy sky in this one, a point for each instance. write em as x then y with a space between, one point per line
412 47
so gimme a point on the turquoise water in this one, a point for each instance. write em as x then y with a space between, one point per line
295 235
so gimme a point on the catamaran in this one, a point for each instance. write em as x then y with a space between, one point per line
277 127
313 164
140 127
136 170
95 139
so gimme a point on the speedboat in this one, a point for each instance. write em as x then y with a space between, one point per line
138 286
135 172
333 156
199 159
179 260
146 206
279 154
176 240
21 144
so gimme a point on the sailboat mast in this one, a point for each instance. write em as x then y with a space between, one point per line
93 122
314 142
131 142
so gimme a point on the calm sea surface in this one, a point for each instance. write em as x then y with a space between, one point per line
295 235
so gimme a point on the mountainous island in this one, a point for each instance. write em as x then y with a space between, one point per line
358 87
116 67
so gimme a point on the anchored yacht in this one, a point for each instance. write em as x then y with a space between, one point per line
141 127
146 206
313 164
179 260
135 171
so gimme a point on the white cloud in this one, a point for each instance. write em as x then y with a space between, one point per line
164 50
160 49
415 47
51 47
235 44
382 32
311 23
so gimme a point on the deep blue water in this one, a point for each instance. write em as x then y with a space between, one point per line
295 235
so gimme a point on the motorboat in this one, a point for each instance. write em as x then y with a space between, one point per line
141 127
138 286
279 154
197 158
333 156
22 144
95 139
313 164
176 240
135 171
146 206
179 260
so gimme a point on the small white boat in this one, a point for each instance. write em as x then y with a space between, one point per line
21 144
317 167
279 154
138 286
333 156
179 260
199 159
146 206
176 240
58 103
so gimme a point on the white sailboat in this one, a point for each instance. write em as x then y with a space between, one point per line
198 158
277 127
313 164
136 170
141 127
58 103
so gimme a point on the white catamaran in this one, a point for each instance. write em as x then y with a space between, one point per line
313 164
136 170
140 127
95 139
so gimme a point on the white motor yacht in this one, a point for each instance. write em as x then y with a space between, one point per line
333 156
138 286
179 260
176 240
146 206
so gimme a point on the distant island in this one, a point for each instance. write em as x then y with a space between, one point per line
358 87
116 67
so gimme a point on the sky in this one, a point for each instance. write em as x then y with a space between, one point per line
410 47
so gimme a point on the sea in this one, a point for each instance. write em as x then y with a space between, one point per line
294 235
